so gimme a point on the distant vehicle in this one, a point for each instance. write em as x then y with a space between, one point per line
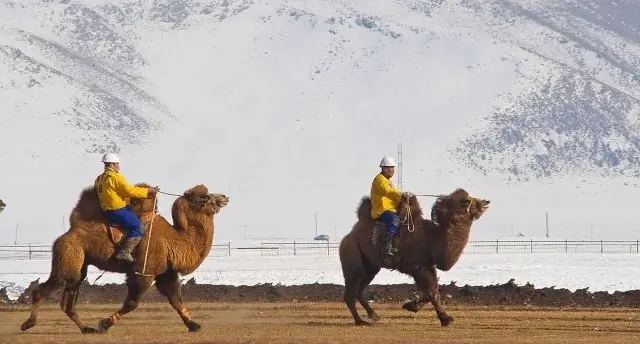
2 205
322 237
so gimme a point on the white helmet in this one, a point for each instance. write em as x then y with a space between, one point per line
387 161
110 157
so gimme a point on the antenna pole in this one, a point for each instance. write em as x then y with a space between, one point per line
315 218
400 166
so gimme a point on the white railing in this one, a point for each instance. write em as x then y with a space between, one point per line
309 248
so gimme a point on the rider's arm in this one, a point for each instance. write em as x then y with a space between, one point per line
125 189
387 189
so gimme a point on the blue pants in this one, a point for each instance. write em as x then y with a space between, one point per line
127 219
392 220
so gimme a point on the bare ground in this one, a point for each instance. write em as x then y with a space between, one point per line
328 322
507 294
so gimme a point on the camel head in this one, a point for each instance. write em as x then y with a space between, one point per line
2 205
201 200
477 207
143 205
460 205
197 205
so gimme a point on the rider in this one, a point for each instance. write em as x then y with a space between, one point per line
114 193
384 201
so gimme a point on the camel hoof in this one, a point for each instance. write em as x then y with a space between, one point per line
29 323
446 321
411 306
374 317
194 327
104 325
88 330
363 323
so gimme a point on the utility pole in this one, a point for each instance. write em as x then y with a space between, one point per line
546 222
400 166
315 218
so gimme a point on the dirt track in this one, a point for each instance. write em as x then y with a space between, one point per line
327 322
507 294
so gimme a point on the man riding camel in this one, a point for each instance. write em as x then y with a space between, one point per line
114 193
384 202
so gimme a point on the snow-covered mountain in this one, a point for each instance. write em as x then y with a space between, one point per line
288 106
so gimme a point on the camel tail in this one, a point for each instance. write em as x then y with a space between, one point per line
364 209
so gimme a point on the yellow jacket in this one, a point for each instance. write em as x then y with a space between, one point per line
114 192
383 196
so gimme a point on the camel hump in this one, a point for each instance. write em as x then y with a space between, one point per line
364 209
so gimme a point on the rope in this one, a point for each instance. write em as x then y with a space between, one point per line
170 194
410 225
146 254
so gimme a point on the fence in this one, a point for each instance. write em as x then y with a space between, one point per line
295 248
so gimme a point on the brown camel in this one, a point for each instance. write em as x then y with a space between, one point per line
423 245
173 250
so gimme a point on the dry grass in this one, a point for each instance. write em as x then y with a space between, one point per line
328 323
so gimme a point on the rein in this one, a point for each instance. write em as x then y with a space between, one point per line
167 193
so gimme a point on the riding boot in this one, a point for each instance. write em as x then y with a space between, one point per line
388 239
127 248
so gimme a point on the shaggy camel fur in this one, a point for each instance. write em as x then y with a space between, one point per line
173 250
423 245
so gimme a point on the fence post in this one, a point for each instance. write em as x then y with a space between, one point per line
497 244
229 248
531 243
328 250
601 248
30 252
294 247
637 246
566 247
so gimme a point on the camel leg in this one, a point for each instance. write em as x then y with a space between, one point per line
353 280
136 287
70 299
68 270
41 292
363 302
169 286
427 280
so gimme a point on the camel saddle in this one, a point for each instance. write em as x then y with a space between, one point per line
377 238
117 233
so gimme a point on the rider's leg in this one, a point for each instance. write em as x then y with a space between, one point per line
130 222
392 221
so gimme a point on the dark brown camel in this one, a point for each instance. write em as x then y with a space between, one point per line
173 250
424 246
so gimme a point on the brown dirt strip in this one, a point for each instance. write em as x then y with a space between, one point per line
507 294
328 322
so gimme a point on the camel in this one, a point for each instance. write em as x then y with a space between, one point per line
172 250
423 245
2 206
